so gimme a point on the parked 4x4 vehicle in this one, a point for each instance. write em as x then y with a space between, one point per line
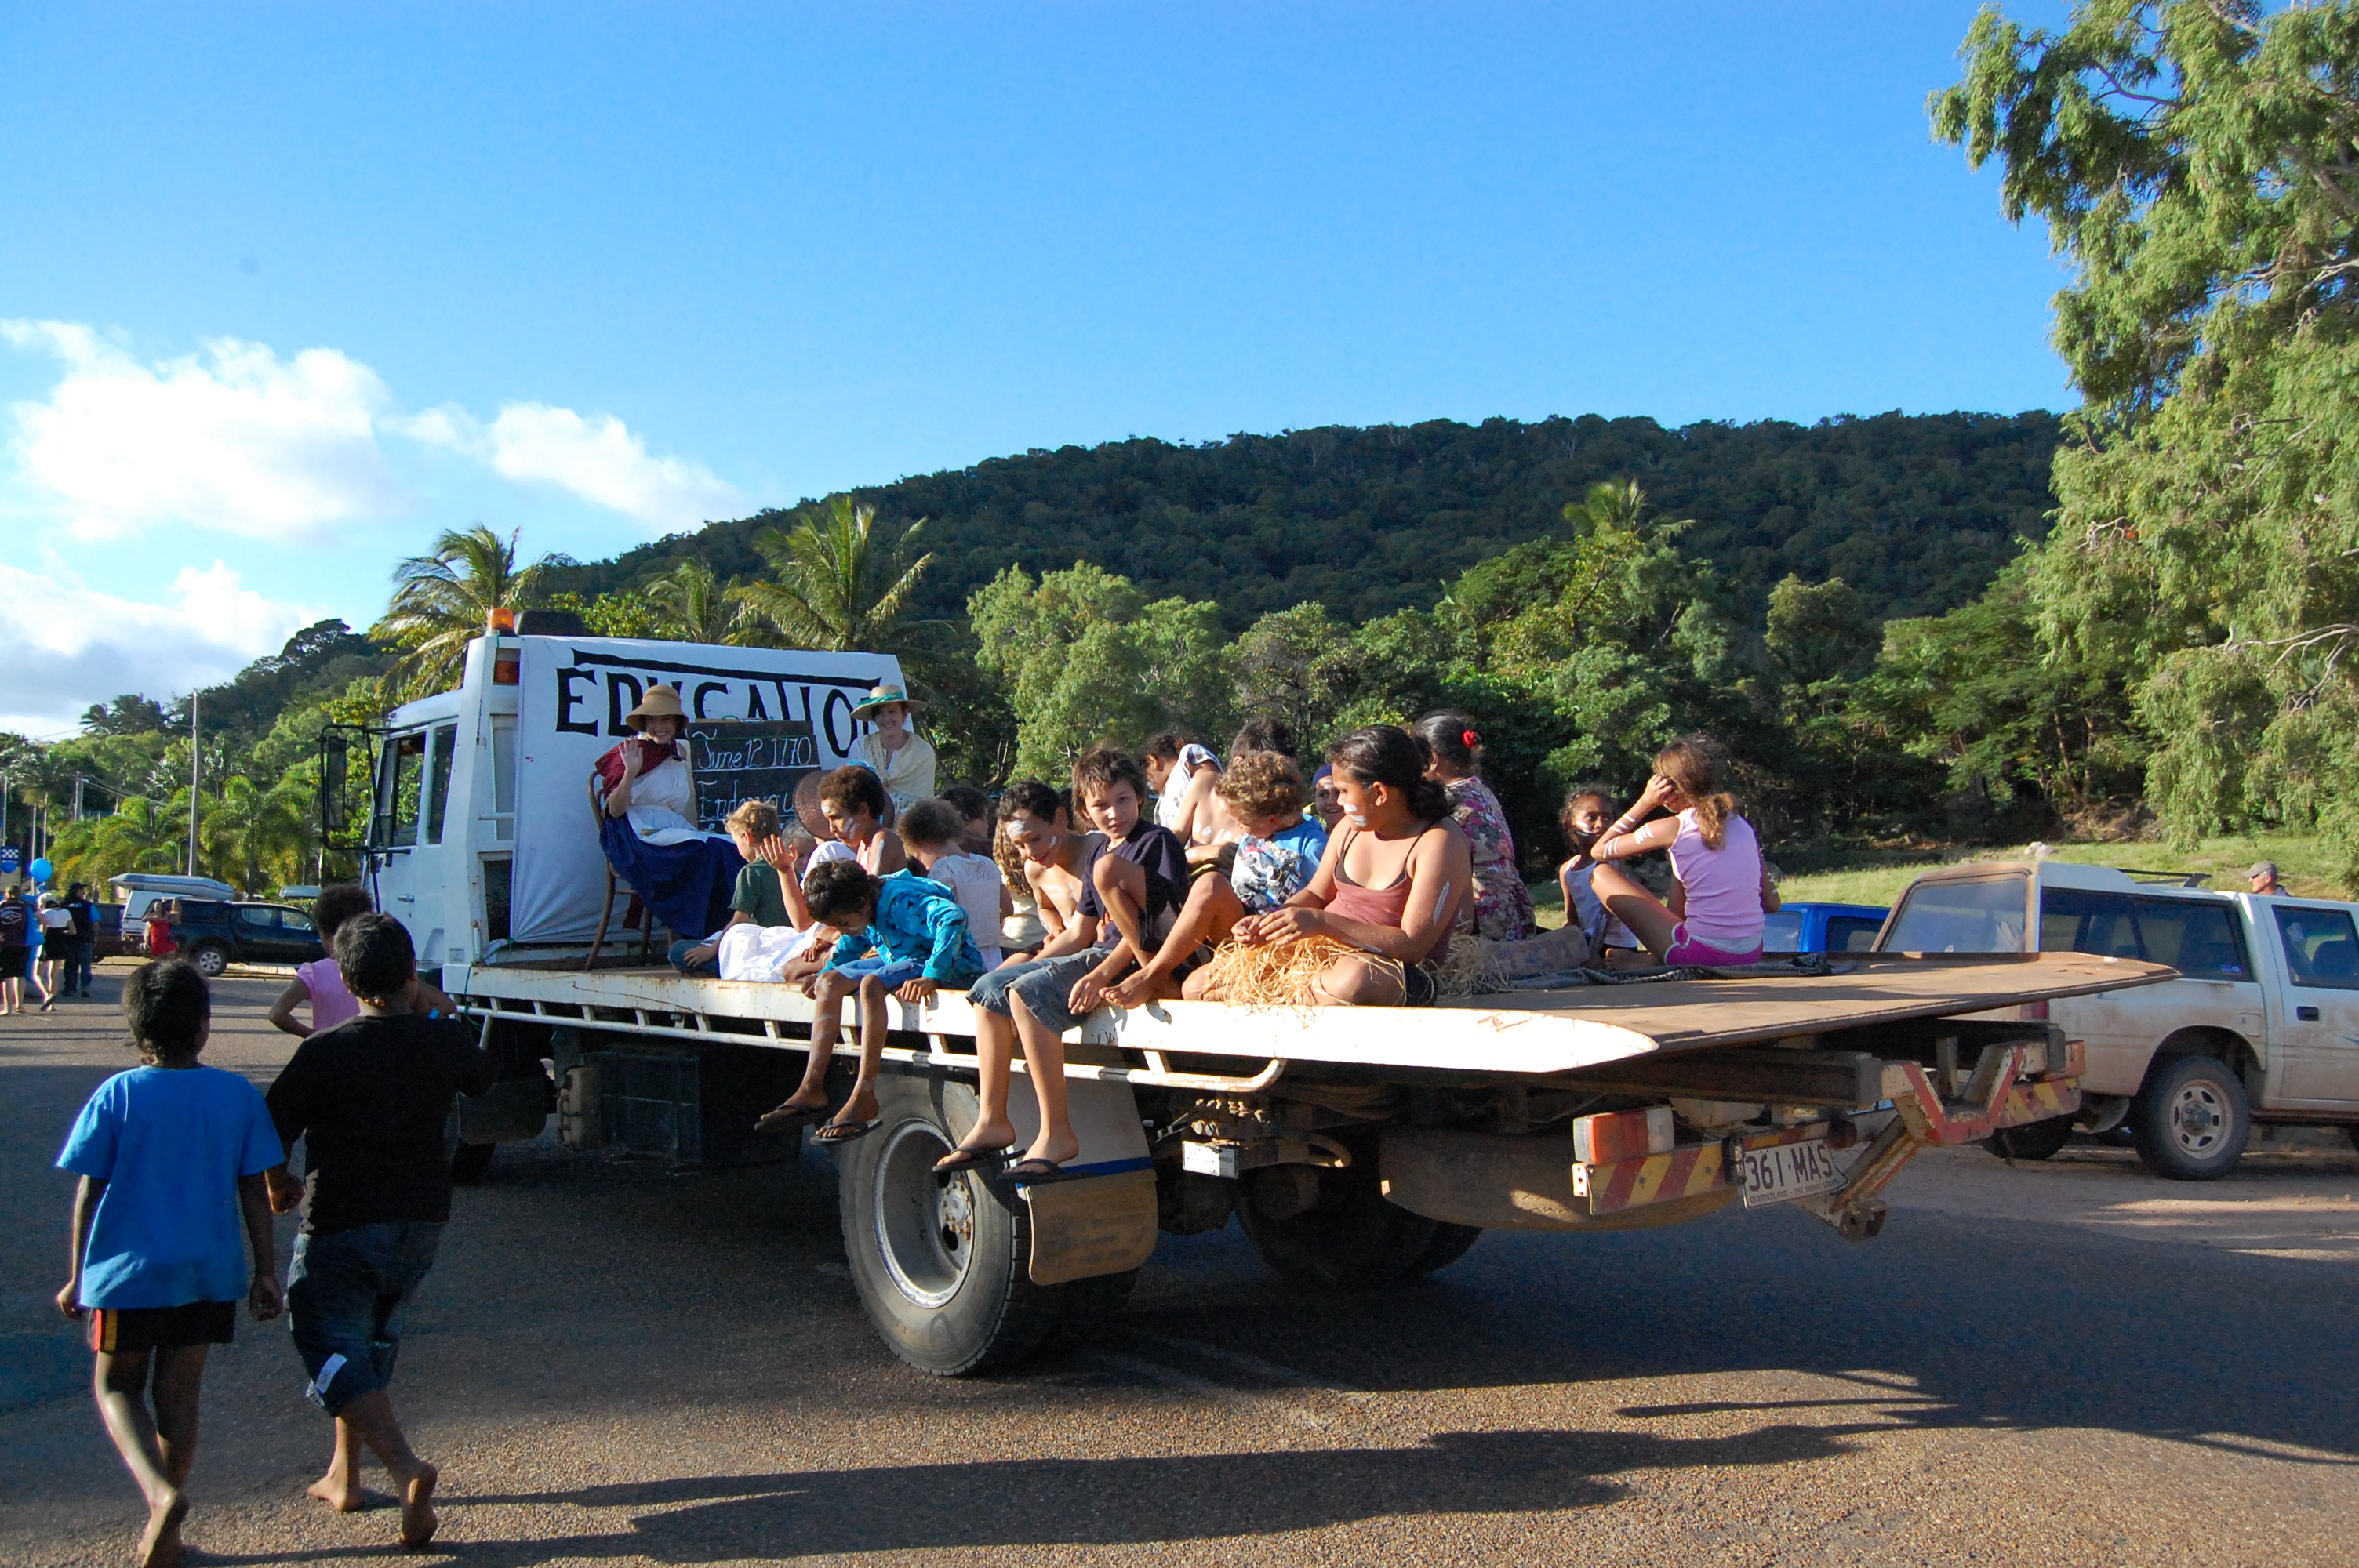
1822 928
2261 1026
213 935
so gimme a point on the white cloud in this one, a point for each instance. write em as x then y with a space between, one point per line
234 440
70 645
231 438
600 459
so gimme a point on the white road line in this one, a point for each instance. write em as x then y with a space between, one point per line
1256 1365
1204 1388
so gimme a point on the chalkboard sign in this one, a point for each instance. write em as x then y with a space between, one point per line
747 759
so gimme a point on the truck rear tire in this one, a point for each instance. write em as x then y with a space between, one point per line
470 1163
941 1269
1350 1239
2192 1119
211 958
1449 1243
2032 1141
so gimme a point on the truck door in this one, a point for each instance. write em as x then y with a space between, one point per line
2119 1031
2319 1035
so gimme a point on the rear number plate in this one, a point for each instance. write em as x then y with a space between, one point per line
1787 1170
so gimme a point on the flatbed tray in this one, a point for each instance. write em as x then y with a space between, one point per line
1521 1032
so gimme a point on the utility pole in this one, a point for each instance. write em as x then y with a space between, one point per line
79 782
196 781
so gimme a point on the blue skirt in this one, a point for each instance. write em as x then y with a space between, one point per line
687 885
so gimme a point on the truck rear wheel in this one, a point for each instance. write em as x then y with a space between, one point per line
1350 1237
2192 1119
1449 1243
211 958
2032 1141
941 1268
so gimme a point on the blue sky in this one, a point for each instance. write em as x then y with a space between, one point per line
286 289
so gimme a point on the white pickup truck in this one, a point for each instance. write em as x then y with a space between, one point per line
1356 1146
2261 1023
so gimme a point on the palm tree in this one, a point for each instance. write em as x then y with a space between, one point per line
838 589
691 605
440 601
259 838
139 837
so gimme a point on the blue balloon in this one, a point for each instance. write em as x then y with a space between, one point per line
41 871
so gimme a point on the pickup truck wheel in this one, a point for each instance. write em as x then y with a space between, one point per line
1350 1237
940 1267
211 958
2032 1141
2192 1119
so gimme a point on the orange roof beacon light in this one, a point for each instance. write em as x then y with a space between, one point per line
500 619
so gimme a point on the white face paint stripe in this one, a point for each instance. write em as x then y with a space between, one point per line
1442 900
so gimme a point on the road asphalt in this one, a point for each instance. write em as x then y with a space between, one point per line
2064 1363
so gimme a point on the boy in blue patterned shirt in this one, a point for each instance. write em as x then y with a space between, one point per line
904 935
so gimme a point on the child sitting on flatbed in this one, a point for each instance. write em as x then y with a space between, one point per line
904 936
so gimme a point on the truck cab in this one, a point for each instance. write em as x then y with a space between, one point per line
2261 1024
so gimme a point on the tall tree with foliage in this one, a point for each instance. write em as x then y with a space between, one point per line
2195 161
835 584
440 601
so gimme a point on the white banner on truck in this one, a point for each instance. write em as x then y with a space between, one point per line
573 694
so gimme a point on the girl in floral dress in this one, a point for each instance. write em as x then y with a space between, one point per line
1503 905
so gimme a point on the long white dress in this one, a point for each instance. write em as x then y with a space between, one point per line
662 800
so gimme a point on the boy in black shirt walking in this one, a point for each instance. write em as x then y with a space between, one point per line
372 1096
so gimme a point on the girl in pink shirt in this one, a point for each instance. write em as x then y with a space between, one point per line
1723 889
320 982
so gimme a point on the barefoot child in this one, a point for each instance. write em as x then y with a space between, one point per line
768 892
1180 776
1141 875
1271 863
1394 883
1058 860
320 982
903 934
935 836
1586 812
1722 891
371 1096
171 1156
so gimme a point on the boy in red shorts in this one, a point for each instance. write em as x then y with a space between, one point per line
171 1156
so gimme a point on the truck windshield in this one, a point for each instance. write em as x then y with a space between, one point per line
1982 914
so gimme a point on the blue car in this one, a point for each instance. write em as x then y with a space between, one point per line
1822 928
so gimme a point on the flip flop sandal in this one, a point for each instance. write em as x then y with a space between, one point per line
783 1118
963 1159
845 1132
1037 1173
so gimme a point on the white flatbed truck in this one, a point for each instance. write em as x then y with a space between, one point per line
1356 1147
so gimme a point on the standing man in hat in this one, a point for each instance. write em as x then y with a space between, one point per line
2263 877
892 750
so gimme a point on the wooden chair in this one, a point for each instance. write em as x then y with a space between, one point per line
635 912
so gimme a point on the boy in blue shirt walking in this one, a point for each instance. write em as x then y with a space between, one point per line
921 945
171 1156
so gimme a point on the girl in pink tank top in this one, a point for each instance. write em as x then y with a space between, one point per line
1416 874
1723 889
320 982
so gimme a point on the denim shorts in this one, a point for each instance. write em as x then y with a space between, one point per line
345 1296
890 973
1043 983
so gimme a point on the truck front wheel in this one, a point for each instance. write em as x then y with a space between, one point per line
943 1267
2192 1119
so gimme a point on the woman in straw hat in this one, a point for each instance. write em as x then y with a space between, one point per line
649 830
895 752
